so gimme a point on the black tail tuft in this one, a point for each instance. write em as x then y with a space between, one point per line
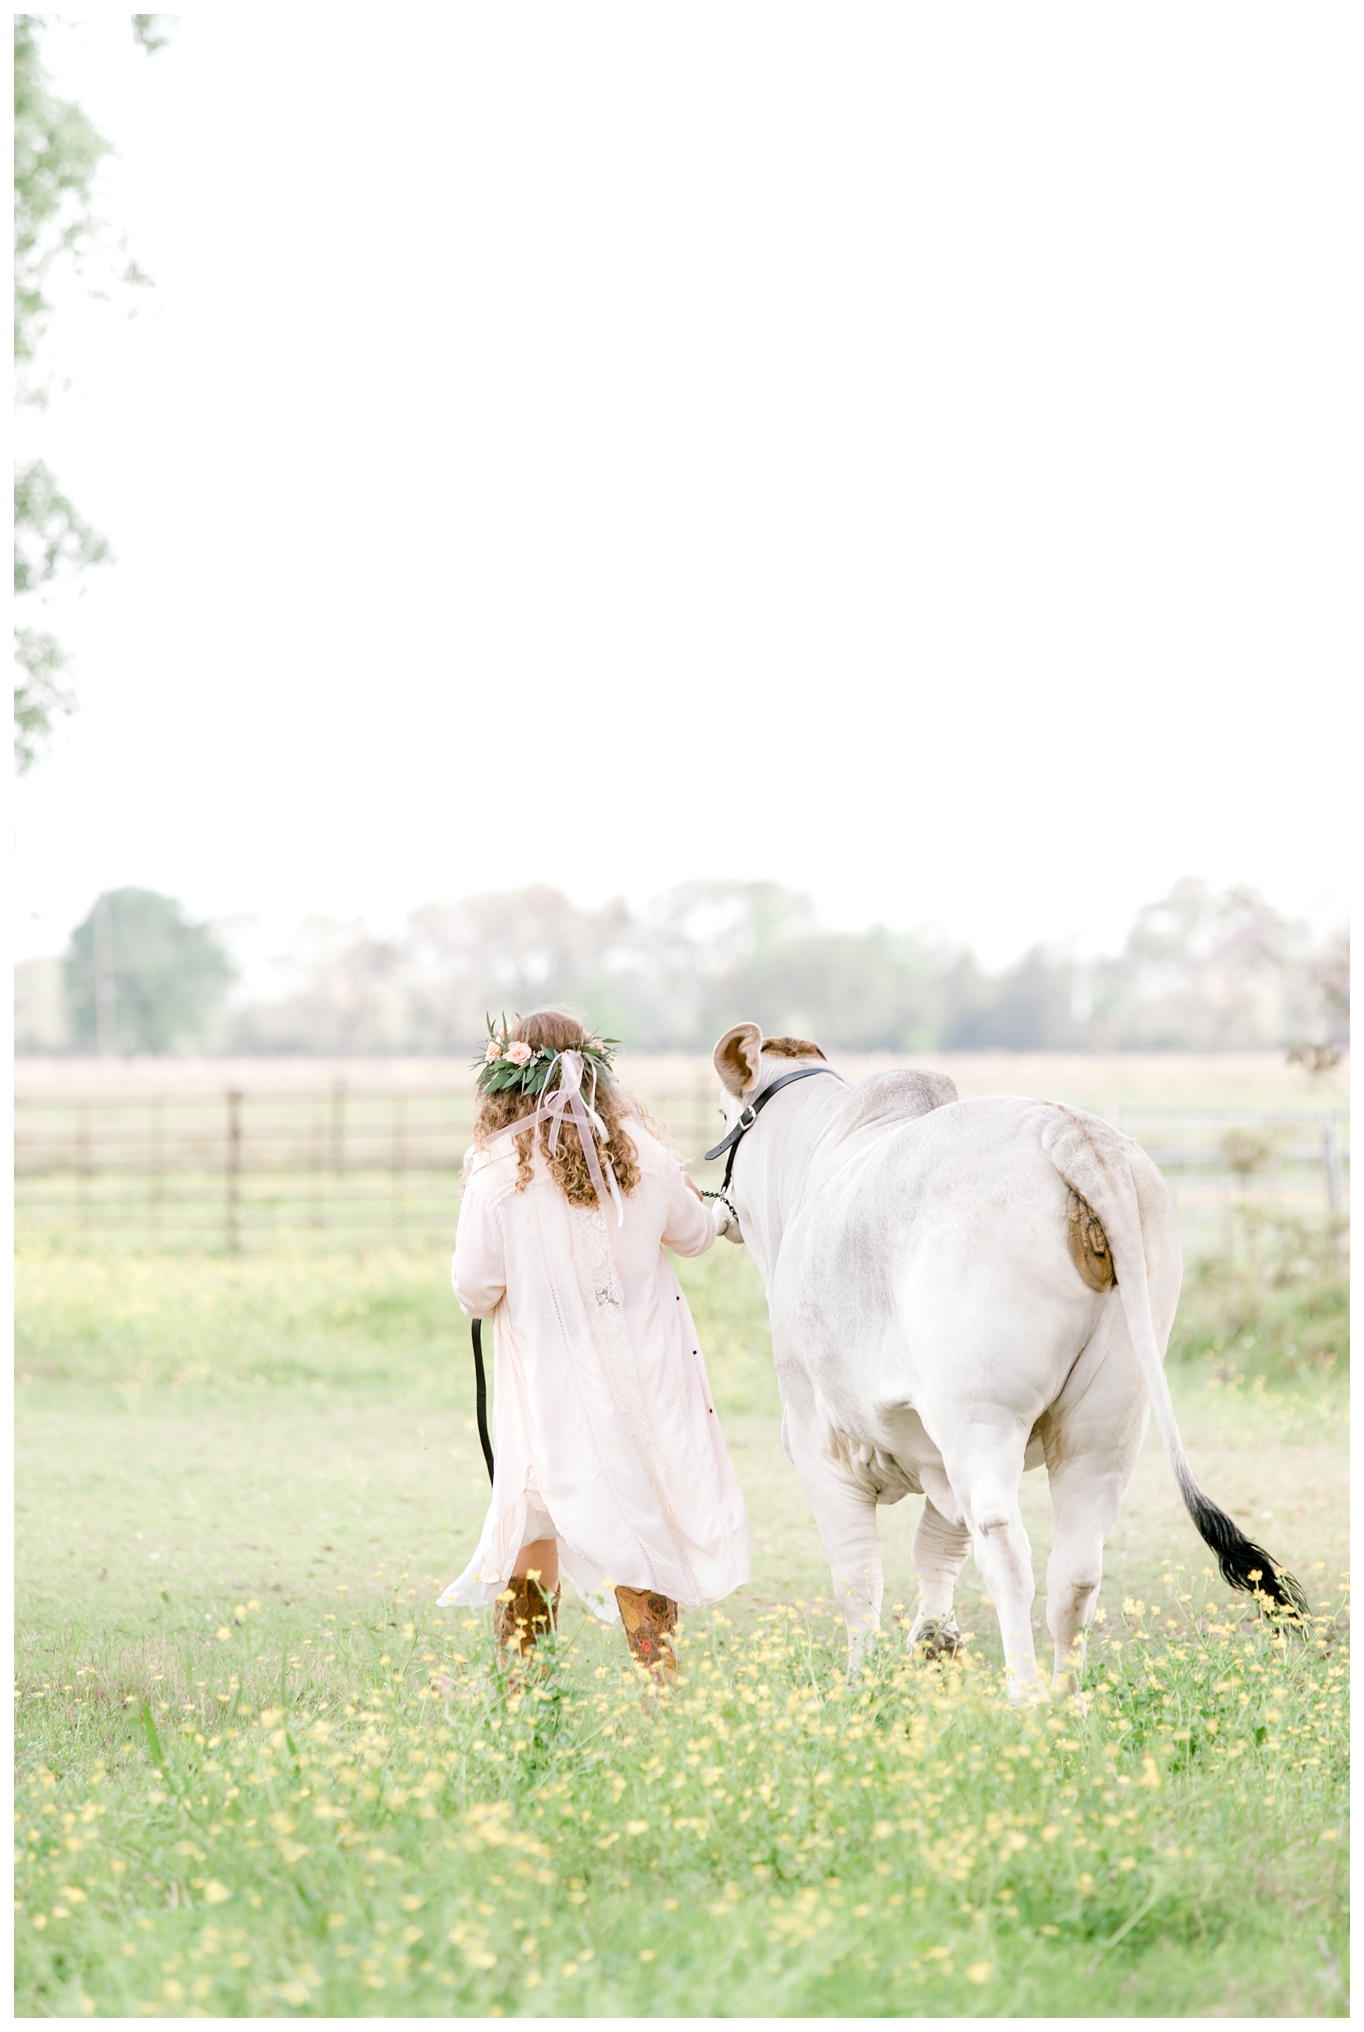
1244 1565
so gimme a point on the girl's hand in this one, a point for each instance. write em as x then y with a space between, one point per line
725 1223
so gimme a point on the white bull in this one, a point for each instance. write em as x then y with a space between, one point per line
960 1290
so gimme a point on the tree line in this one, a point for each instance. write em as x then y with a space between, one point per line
1199 971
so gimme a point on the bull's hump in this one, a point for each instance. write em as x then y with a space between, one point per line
897 1096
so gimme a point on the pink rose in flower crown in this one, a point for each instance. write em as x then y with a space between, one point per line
519 1051
493 1053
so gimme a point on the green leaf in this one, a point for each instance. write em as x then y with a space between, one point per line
153 1740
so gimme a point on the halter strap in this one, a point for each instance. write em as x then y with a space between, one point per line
749 1116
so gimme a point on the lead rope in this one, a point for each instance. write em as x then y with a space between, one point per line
481 1396
723 1194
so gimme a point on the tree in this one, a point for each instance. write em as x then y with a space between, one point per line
348 994
141 977
153 31
510 951
49 536
57 154
1329 979
1031 1006
1203 971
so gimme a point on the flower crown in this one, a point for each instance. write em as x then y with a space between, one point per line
510 1062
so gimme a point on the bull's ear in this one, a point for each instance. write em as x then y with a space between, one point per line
738 1058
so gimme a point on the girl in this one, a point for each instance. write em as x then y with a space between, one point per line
610 1463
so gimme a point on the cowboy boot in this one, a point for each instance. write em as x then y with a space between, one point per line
649 1621
522 1614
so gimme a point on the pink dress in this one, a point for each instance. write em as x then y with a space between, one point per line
604 1431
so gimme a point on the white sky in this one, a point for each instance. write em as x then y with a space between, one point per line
898 450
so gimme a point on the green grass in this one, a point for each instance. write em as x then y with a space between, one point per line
260 1775
1277 1305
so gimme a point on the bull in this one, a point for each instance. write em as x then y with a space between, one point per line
960 1291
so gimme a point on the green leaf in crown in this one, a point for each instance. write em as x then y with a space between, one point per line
508 1062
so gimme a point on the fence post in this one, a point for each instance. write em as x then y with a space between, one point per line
155 1170
709 1113
399 1206
106 989
337 1127
85 1166
317 1159
336 1139
1330 1164
234 1171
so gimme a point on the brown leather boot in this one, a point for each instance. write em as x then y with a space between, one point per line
522 1614
649 1621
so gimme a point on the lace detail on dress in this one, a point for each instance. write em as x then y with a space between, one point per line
597 1263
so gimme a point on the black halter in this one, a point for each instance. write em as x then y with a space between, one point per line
745 1122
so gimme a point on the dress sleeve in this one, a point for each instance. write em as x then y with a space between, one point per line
690 1226
479 1271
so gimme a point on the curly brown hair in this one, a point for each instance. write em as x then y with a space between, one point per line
567 1166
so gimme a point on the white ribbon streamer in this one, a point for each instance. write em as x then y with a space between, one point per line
567 1103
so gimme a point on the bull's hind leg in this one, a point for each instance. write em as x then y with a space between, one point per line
984 1468
1091 1438
845 1516
1084 1512
940 1549
1086 1496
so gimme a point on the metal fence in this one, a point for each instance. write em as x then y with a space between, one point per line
1292 1162
240 1170
243 1171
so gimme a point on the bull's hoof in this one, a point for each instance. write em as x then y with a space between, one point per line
935 1638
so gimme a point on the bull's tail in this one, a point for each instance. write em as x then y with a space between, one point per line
1093 1160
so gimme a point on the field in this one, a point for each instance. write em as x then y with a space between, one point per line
260 1775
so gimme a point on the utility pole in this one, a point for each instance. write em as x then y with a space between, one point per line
106 1010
